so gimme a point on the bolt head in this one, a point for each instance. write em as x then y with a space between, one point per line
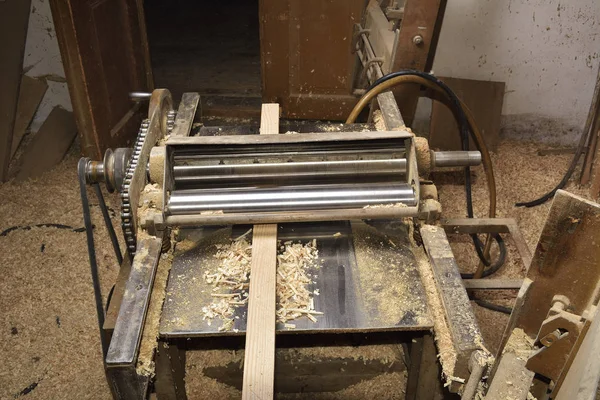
418 40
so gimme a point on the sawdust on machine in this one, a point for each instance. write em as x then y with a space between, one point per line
145 364
390 205
382 282
297 268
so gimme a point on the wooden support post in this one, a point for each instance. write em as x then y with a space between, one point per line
259 359
170 372
14 20
417 42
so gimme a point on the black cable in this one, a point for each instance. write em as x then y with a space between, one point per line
561 184
493 307
87 219
465 130
493 268
108 223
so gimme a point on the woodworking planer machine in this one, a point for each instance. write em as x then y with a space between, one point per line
359 194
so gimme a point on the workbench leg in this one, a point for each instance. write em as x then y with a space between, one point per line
170 372
424 373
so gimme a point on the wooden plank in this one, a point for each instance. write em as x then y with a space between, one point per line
512 380
49 145
581 381
565 260
269 121
185 114
310 80
382 38
421 18
487 284
14 20
103 63
464 330
592 128
484 99
259 358
30 95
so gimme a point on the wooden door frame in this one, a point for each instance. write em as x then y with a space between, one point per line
68 43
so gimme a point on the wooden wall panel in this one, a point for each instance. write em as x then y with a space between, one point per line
105 53
306 52
14 20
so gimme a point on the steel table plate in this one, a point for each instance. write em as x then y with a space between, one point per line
368 280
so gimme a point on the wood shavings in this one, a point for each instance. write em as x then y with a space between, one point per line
230 280
390 205
212 212
145 364
295 262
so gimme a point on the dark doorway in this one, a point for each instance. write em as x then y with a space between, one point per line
210 47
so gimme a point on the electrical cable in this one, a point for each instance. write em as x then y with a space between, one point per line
578 153
466 126
87 219
584 142
493 307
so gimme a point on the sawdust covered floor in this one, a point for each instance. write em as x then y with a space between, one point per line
49 344
49 341
521 175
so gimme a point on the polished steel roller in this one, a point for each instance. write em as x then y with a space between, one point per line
289 172
289 198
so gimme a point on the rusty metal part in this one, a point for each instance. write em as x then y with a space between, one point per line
558 334
153 129
458 314
124 345
182 124
566 263
111 170
491 225
386 101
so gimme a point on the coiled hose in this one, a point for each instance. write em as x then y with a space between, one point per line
467 126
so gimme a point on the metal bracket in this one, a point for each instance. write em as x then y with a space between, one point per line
557 337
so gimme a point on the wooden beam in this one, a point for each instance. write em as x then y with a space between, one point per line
457 309
14 19
49 145
259 358
30 95
488 284
417 42
591 165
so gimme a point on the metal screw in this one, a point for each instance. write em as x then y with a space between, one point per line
417 40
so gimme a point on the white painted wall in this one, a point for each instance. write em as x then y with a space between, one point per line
42 60
547 52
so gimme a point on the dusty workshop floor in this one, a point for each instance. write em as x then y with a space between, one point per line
49 343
